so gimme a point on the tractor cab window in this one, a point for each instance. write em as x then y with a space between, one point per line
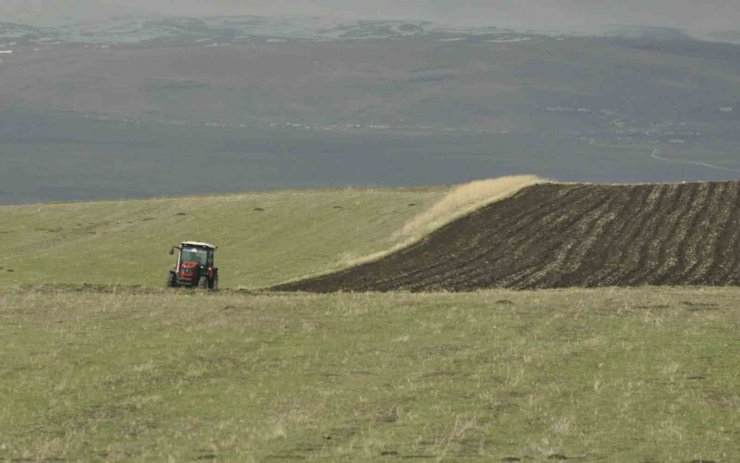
194 255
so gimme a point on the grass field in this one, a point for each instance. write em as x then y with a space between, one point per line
263 238
589 375
113 372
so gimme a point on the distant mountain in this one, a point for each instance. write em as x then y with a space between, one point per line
645 32
250 102
726 36
258 29
234 30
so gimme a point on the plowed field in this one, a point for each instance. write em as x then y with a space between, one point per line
553 236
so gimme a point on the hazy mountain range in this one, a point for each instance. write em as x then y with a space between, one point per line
132 106
257 29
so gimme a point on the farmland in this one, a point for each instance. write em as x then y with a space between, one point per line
550 236
375 317
100 363
264 238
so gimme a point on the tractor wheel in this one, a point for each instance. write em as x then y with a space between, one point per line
203 282
171 280
214 283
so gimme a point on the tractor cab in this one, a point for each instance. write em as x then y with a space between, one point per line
194 267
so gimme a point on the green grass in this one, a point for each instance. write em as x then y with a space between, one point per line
126 243
639 375
604 375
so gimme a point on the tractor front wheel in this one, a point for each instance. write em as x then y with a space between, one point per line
171 280
203 282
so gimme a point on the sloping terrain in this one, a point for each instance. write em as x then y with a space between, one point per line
388 112
552 236
264 238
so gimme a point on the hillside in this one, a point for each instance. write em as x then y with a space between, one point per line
263 238
369 104
552 236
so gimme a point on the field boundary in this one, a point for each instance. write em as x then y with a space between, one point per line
567 235
460 201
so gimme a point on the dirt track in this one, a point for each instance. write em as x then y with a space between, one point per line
553 236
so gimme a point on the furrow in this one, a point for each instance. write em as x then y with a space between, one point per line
628 261
509 257
677 246
646 241
705 234
552 274
450 266
604 259
550 236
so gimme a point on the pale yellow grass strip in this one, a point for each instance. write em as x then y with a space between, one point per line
463 200
459 202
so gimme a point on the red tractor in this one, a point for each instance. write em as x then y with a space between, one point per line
194 268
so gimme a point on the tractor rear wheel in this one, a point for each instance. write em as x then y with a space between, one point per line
214 283
203 282
171 280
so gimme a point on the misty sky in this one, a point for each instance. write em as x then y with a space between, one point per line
698 16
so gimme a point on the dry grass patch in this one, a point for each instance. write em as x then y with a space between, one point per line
460 201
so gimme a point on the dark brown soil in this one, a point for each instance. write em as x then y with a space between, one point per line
555 236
